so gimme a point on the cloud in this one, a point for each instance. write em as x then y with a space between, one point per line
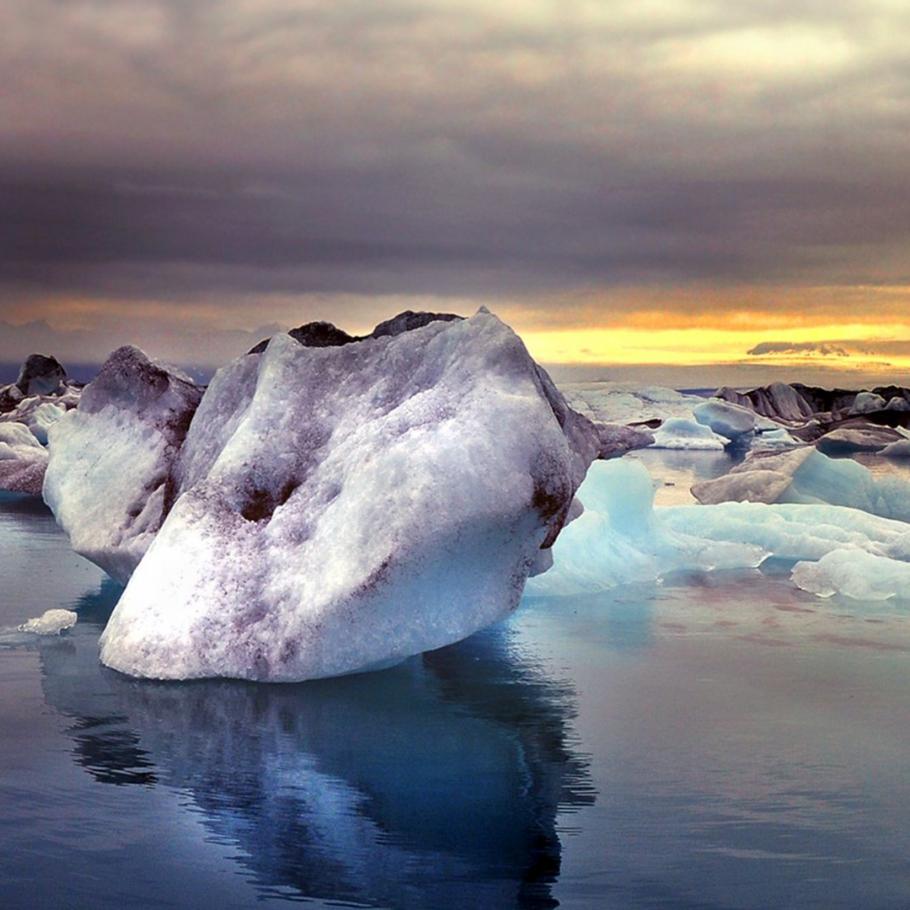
823 349
221 156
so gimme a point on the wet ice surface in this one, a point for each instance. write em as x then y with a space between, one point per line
721 740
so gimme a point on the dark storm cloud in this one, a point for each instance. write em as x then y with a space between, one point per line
161 149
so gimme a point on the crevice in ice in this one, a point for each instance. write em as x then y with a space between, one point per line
261 504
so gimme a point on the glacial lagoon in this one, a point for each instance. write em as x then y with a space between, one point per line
721 740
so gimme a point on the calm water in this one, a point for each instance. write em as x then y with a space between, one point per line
712 742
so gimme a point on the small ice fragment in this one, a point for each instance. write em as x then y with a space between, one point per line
51 622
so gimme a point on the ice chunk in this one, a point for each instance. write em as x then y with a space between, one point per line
866 402
41 374
23 459
778 400
899 449
854 573
43 418
791 531
341 508
774 439
624 402
808 476
846 440
680 433
109 479
898 403
731 421
620 538
51 622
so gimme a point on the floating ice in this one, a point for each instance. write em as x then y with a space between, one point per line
899 449
109 480
680 433
854 573
791 531
866 402
808 476
625 402
620 538
849 439
341 508
898 403
51 622
731 421
774 439
778 400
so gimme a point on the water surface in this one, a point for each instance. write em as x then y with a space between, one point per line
716 741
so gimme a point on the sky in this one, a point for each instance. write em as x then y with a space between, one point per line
667 188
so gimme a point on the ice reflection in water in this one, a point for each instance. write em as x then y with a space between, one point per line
434 784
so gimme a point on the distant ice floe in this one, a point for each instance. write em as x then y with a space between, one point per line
621 539
687 422
626 402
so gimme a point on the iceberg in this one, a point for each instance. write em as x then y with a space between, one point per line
866 402
796 403
856 574
680 433
731 421
23 459
109 476
846 440
898 449
779 401
620 538
774 438
340 508
791 531
39 397
808 476
609 401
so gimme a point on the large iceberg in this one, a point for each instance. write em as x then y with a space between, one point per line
340 508
109 479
